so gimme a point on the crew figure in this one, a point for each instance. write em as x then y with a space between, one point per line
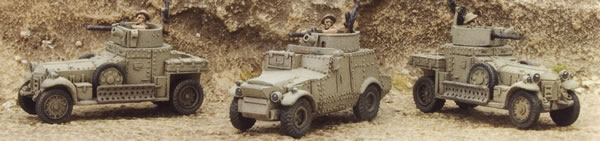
141 19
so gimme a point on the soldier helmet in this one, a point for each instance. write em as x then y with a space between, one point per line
143 12
328 16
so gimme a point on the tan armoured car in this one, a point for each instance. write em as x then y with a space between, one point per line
326 73
136 66
478 68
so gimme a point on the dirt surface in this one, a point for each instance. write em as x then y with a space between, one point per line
234 34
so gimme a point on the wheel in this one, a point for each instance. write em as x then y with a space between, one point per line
26 102
108 74
87 56
54 106
424 95
483 74
296 119
567 116
187 97
465 106
236 118
524 109
368 104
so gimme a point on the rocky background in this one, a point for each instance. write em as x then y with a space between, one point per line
233 34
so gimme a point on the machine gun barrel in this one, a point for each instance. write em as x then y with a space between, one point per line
296 34
506 36
99 27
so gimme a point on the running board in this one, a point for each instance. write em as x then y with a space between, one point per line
467 93
126 93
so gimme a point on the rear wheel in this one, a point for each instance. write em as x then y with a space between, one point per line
187 97
26 102
424 95
54 106
368 104
524 109
296 119
567 116
236 118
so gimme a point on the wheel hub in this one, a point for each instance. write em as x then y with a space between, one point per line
56 107
479 77
111 76
425 95
188 97
300 117
521 108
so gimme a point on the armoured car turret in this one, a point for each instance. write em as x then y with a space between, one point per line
477 68
135 66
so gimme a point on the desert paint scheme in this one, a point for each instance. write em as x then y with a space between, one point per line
234 35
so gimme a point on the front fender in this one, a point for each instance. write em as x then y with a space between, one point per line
527 86
60 81
570 84
290 98
367 82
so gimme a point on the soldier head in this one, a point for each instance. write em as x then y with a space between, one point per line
141 16
327 21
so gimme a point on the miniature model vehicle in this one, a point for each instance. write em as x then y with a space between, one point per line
136 66
478 68
325 73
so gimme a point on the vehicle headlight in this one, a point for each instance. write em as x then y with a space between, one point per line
51 74
564 75
276 97
238 83
527 79
238 92
32 66
536 78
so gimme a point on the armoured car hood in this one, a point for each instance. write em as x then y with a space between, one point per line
282 78
75 65
504 66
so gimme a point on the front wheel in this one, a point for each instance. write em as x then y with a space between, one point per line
236 118
187 97
296 119
368 104
567 116
54 106
424 95
524 109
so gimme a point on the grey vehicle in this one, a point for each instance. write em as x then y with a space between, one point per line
478 68
136 66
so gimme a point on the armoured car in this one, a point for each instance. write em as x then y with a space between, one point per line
326 73
478 68
135 66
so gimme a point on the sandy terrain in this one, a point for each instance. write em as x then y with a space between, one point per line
234 34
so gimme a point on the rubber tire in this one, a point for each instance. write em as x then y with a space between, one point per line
465 106
177 106
492 76
361 109
237 120
287 119
435 104
567 116
98 71
87 56
40 106
534 114
26 102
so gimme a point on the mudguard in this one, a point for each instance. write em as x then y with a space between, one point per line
570 84
60 81
290 98
367 82
527 86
